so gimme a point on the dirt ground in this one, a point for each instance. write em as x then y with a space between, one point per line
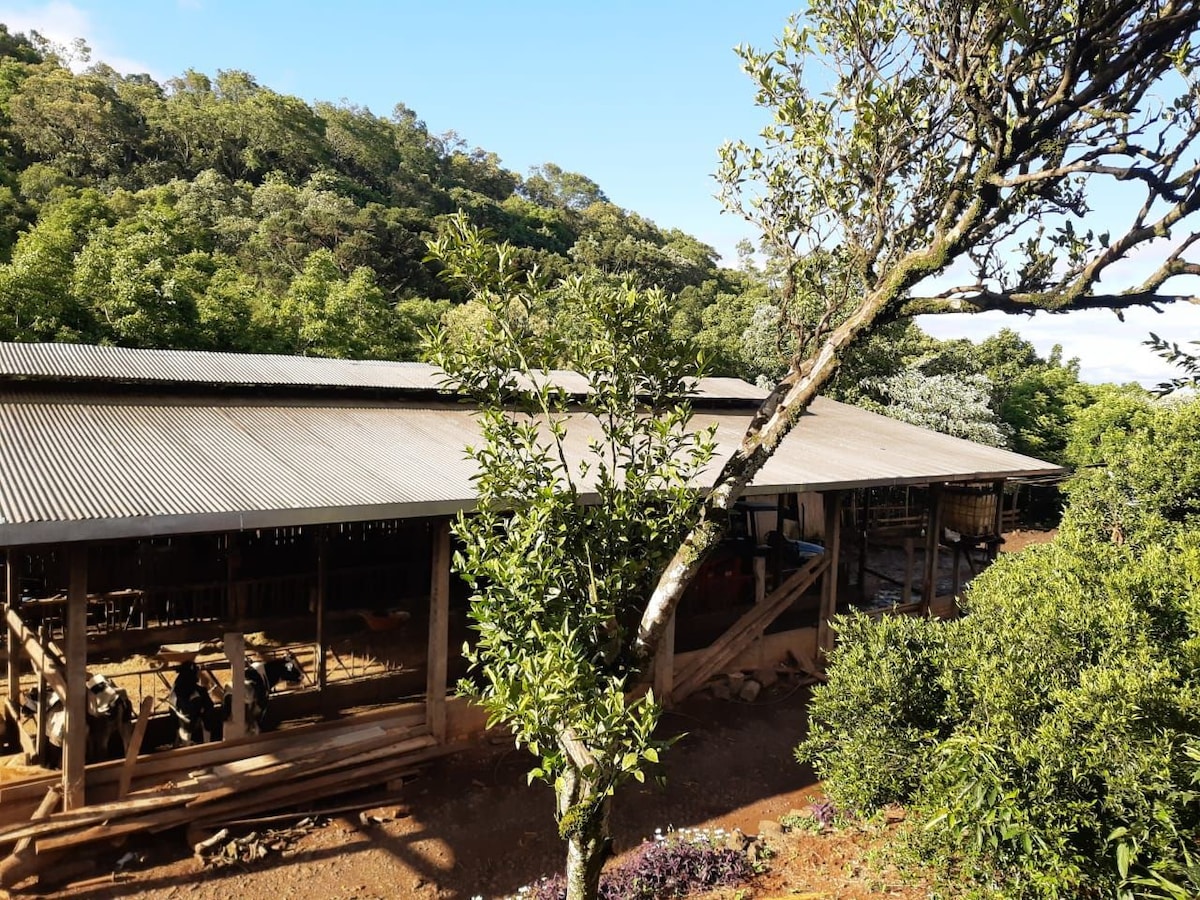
470 825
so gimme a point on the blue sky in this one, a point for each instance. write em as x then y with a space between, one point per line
636 95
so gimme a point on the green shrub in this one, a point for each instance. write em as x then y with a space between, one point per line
873 726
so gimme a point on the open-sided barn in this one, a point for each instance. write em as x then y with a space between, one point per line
153 496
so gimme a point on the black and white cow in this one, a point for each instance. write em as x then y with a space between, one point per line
109 721
196 715
260 679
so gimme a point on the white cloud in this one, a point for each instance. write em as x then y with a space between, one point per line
1108 349
62 23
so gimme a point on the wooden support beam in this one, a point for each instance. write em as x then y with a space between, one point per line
829 583
909 555
664 659
994 546
235 652
12 596
43 657
863 530
439 631
322 673
75 701
40 737
933 535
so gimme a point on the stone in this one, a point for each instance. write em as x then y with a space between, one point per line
766 677
721 690
769 827
750 691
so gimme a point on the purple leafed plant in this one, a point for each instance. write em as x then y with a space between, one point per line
671 867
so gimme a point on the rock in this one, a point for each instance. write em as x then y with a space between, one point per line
766 677
750 691
737 841
721 690
769 828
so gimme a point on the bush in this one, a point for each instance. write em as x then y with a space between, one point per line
1042 741
874 726
674 866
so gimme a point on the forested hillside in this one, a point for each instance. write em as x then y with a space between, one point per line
214 213
217 213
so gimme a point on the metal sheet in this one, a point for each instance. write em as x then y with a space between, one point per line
86 363
92 466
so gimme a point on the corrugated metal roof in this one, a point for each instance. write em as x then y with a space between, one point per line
87 363
88 466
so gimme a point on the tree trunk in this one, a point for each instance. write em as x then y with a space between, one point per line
583 821
775 418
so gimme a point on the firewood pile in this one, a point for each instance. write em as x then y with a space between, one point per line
208 785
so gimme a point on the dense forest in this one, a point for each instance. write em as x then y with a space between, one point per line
214 213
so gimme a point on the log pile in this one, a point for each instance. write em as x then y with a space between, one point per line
206 785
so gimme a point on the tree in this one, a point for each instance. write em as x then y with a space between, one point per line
567 543
910 137
945 403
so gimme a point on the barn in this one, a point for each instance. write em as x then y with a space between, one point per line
183 503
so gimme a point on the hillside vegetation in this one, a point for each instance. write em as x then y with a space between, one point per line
215 213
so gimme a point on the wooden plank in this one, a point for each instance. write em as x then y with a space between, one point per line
746 629
135 746
235 652
93 814
829 585
75 701
20 864
439 631
184 759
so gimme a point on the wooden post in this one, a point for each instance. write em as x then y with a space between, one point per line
994 546
235 589
829 582
322 588
235 652
12 597
439 631
864 526
664 659
933 535
43 698
75 703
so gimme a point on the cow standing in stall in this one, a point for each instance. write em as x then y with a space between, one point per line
109 721
201 720
261 678
196 715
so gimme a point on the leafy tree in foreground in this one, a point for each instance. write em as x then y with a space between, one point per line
580 502
911 136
